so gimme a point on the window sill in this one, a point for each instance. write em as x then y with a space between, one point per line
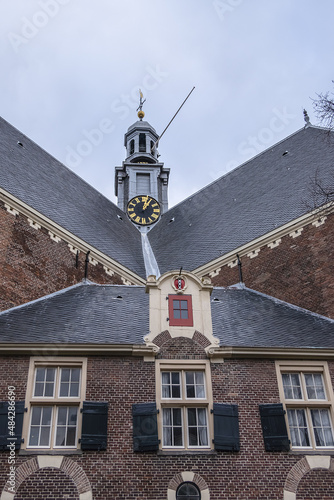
187 452
50 452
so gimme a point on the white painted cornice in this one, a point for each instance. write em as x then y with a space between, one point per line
48 350
217 353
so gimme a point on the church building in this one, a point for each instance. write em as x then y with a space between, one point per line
155 353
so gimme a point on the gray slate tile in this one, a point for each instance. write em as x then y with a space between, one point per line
35 177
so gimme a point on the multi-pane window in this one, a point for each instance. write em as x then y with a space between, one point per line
56 394
308 400
184 408
180 310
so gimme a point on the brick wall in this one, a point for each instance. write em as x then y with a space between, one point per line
252 473
182 348
47 484
299 270
316 485
33 265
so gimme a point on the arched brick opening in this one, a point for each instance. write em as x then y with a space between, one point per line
303 467
68 466
178 479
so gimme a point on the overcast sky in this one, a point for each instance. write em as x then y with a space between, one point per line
71 70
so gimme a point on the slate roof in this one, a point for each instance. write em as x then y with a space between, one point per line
242 317
35 177
84 313
112 314
259 196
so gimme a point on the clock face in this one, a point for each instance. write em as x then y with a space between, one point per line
143 210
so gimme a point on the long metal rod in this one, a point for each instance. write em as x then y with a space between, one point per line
157 142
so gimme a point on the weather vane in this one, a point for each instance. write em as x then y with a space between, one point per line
141 113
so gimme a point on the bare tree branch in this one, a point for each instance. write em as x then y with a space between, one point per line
324 109
320 198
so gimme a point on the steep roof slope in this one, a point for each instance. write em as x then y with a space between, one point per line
259 196
32 175
245 318
88 313
84 313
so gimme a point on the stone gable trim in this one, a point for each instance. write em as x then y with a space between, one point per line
11 210
320 221
271 240
58 233
275 243
54 237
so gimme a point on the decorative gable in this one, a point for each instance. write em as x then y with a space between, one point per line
180 304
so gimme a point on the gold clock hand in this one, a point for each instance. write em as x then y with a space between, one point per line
144 198
146 204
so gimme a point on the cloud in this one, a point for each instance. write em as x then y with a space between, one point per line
83 56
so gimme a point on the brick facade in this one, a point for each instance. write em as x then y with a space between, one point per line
45 484
252 473
316 485
33 265
298 270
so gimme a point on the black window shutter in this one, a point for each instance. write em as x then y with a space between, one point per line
5 437
94 425
145 427
226 427
274 430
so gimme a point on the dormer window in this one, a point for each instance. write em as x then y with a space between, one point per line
142 143
132 146
180 310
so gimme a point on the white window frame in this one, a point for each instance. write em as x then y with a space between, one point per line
183 402
55 401
305 403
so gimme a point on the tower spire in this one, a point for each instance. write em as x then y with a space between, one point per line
142 175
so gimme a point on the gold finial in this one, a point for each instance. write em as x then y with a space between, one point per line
141 113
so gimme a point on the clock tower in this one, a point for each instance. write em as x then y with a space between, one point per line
141 177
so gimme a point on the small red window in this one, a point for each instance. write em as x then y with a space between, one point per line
180 310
